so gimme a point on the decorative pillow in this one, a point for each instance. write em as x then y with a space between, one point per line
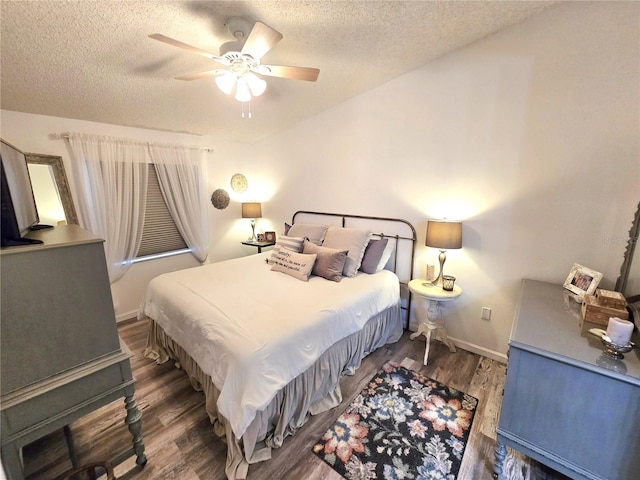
352 239
298 265
289 242
386 255
286 228
373 254
313 233
329 261
293 244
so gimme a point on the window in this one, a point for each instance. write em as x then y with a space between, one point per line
159 232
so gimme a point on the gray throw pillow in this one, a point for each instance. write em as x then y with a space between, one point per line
329 261
373 254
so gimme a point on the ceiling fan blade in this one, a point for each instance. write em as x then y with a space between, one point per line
297 73
192 49
196 76
261 39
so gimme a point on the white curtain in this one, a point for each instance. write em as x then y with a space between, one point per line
181 181
111 179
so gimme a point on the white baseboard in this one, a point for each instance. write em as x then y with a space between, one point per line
485 352
126 316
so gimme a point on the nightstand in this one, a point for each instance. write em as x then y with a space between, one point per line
434 322
258 245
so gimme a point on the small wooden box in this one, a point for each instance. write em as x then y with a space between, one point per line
608 298
593 312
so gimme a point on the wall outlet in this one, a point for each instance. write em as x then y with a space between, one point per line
486 313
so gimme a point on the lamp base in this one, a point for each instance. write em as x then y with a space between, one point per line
253 230
442 258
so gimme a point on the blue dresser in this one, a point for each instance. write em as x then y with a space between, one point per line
565 403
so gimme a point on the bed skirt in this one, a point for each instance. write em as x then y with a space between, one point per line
314 391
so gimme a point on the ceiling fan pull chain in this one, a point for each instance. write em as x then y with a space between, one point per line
249 108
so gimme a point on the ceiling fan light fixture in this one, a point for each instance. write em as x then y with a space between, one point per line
226 82
242 91
256 84
241 58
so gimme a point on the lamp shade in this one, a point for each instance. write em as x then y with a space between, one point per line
444 235
251 210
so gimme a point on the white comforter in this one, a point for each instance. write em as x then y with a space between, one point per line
253 330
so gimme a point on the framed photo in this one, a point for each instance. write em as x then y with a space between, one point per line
582 280
260 237
269 236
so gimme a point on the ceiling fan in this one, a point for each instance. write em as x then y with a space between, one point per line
241 60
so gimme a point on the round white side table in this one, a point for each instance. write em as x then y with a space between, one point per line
434 323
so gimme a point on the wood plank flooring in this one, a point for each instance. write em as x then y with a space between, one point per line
180 443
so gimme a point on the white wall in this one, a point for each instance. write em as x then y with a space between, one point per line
40 134
36 134
529 136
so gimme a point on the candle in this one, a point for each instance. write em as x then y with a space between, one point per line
431 271
619 331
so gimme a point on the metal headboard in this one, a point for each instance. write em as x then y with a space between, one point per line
404 235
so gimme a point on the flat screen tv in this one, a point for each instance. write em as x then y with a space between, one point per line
17 203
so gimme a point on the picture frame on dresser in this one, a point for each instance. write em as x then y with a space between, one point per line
582 280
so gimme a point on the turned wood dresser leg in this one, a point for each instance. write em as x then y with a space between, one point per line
500 451
134 423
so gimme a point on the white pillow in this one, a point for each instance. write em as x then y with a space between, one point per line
313 233
290 242
354 240
386 255
298 265
293 244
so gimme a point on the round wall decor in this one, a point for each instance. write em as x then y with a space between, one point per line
220 199
239 183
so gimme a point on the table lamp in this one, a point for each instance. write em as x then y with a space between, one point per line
252 210
443 235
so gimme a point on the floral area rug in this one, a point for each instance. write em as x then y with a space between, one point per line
403 425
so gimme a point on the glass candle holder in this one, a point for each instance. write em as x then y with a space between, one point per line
448 282
431 272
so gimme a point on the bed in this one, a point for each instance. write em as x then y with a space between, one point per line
267 337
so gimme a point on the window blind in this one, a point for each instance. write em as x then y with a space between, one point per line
159 232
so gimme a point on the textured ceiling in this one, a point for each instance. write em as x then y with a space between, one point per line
93 60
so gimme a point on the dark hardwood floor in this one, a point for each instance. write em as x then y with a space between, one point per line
180 443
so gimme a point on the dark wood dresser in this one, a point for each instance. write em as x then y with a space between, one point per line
565 403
